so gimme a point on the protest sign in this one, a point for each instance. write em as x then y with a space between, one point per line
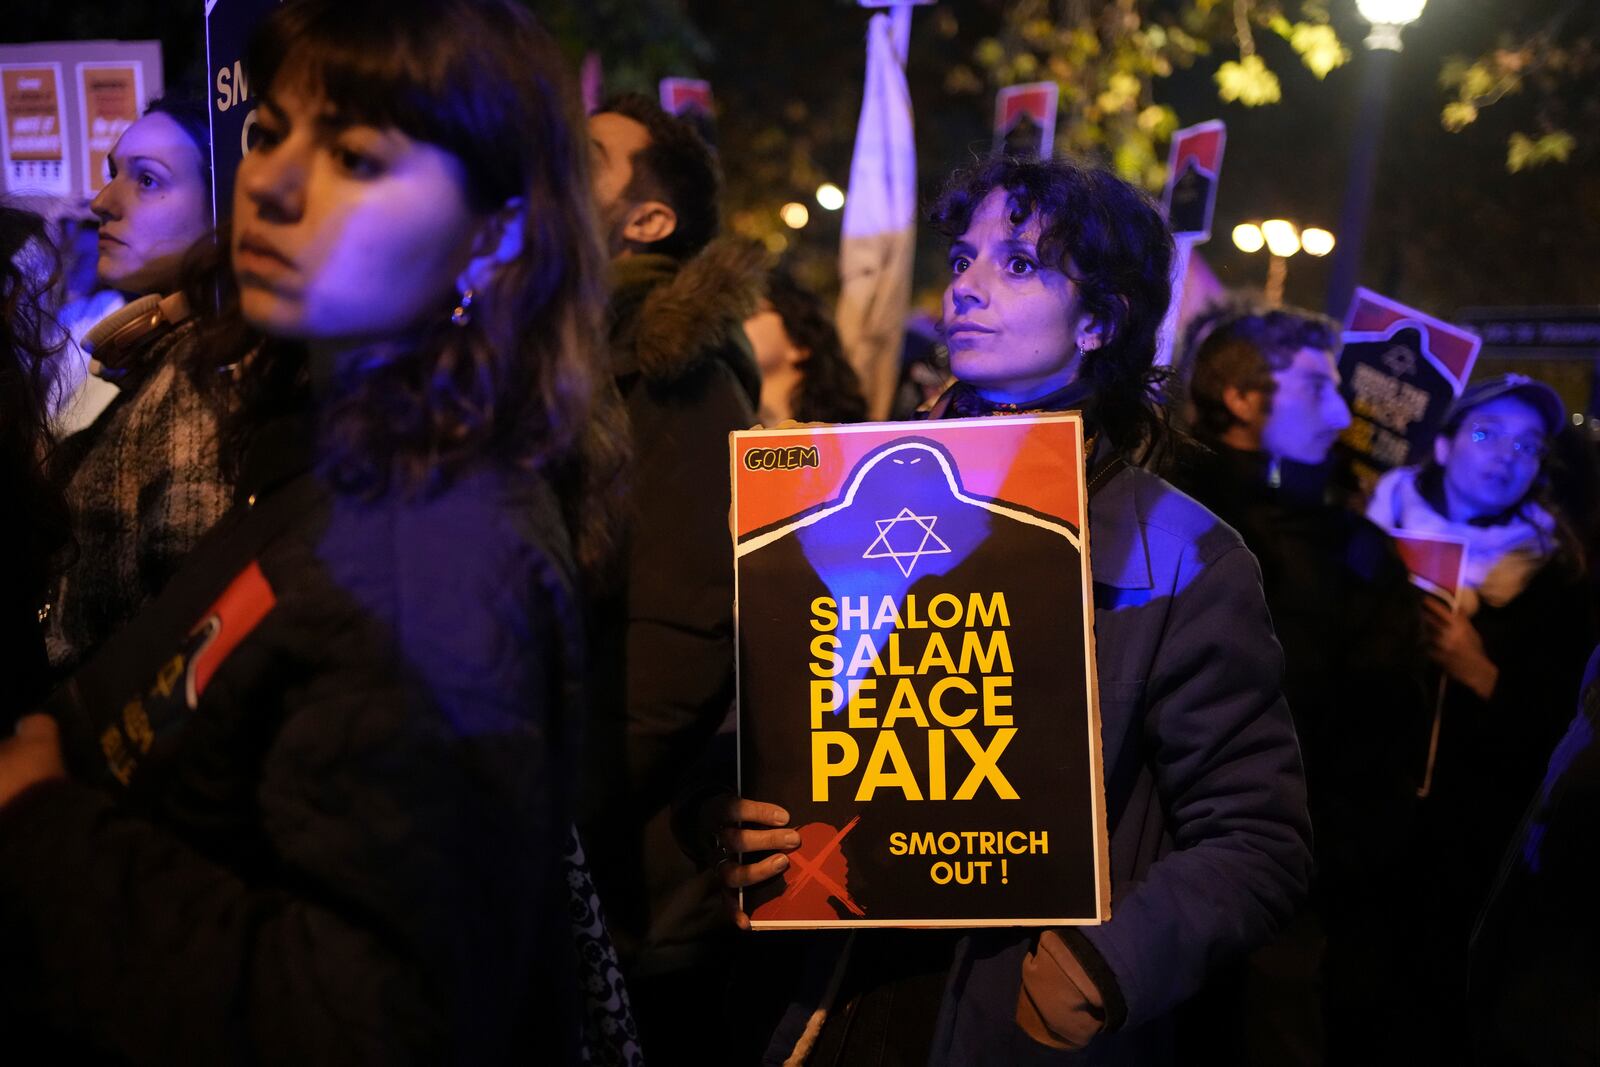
1400 371
690 100
1025 120
1194 163
229 27
916 672
110 98
33 137
1438 566
62 108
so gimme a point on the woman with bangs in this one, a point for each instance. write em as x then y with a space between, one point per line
313 805
1058 286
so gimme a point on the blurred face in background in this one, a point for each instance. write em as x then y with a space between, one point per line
778 358
155 207
345 234
1492 459
1306 413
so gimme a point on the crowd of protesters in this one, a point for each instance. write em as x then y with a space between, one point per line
369 613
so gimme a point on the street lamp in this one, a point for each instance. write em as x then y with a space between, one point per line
1282 239
1388 18
830 196
794 215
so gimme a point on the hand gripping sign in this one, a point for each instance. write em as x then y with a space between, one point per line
916 672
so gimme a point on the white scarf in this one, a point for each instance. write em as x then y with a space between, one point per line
1501 559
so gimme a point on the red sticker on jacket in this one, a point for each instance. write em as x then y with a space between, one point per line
230 620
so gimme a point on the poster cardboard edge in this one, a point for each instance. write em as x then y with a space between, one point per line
738 681
930 924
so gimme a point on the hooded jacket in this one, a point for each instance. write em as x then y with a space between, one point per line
665 638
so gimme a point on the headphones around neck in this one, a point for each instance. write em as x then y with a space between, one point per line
116 340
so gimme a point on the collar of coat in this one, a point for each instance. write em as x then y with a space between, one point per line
1118 511
667 316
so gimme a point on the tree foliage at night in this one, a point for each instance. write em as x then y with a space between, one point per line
1550 59
1108 57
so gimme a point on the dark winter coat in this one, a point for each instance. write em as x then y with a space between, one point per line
663 643
1210 840
1535 989
1356 675
327 828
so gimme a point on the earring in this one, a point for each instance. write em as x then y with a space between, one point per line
463 312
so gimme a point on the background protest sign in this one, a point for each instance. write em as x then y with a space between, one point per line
1194 165
229 26
1401 369
63 104
690 100
33 144
916 672
1438 566
1025 120
110 98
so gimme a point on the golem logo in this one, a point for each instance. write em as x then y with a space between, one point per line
781 459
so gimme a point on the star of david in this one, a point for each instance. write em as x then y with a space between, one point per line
918 530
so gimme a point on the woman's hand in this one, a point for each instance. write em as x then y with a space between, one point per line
738 824
1455 645
30 757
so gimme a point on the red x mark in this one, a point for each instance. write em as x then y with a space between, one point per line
811 868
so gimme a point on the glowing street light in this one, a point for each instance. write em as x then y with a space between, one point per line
1283 240
1315 241
1388 18
830 196
794 215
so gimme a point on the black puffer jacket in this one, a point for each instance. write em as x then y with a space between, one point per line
1355 674
328 827
1535 988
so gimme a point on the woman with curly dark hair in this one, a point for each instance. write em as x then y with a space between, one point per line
36 530
804 375
314 804
1058 285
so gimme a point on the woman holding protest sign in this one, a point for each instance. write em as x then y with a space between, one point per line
1512 655
1058 287
314 805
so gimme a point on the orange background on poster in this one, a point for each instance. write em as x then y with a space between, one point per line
34 114
1014 460
111 104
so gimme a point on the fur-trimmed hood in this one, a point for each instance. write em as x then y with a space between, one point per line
668 317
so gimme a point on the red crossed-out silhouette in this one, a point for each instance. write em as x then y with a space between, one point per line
817 871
